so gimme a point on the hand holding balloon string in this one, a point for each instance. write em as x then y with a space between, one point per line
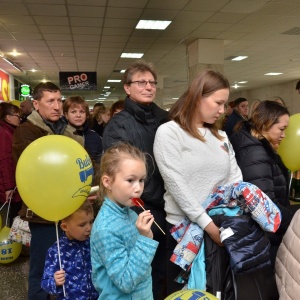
140 203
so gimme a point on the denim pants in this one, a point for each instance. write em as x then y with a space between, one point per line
42 237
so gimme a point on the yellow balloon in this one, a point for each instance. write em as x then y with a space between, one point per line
54 176
289 148
191 295
9 250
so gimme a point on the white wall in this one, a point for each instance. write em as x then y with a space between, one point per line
286 91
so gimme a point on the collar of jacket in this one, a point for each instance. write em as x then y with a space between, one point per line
139 114
36 119
8 126
122 212
69 131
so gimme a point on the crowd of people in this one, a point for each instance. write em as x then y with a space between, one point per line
172 162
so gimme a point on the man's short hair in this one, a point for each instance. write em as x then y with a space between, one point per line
239 100
298 85
139 66
44 87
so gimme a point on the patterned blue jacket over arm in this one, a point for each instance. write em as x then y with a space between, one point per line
76 262
121 257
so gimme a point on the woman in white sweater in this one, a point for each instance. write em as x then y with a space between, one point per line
194 157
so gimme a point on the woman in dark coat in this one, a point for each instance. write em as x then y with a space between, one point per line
255 147
9 121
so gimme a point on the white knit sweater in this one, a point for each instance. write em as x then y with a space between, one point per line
191 169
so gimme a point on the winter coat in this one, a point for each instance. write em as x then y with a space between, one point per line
287 266
76 262
7 164
121 256
25 134
130 125
262 166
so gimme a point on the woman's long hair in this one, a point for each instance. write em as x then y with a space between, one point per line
185 110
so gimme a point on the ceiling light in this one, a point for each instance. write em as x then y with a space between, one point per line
14 53
273 74
101 98
114 80
238 58
175 98
242 82
122 71
106 87
152 24
33 70
235 86
132 55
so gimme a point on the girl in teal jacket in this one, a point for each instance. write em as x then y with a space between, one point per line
122 245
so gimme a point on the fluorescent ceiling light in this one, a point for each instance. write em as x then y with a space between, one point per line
152 24
273 74
114 80
106 87
175 98
122 71
241 82
238 58
102 98
132 55
235 86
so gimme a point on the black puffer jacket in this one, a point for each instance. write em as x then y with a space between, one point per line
131 125
262 166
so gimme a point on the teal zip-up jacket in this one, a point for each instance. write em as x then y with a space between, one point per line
121 257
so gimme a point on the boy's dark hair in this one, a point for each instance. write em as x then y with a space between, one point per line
86 206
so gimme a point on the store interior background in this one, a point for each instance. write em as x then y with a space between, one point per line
52 36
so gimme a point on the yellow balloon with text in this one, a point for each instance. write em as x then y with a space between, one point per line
9 250
54 176
191 295
289 148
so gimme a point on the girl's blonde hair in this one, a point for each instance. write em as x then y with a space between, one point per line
111 161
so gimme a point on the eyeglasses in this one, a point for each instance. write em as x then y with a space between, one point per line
17 116
143 83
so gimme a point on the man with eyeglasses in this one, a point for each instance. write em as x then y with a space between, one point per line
137 125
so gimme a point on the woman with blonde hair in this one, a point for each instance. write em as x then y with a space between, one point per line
100 119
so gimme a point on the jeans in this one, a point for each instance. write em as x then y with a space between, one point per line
43 236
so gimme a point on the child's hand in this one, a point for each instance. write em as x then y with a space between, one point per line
59 277
144 223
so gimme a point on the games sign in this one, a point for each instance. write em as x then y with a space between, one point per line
78 81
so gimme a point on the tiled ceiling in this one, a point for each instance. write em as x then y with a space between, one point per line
90 35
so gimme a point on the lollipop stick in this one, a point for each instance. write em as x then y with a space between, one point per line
154 221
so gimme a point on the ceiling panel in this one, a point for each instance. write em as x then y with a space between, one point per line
76 35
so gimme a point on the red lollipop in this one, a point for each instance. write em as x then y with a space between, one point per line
139 202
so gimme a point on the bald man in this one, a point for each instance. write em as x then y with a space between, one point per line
26 109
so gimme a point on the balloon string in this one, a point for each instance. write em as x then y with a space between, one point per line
290 183
154 221
9 200
58 250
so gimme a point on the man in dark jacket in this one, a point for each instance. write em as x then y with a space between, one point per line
137 125
44 120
